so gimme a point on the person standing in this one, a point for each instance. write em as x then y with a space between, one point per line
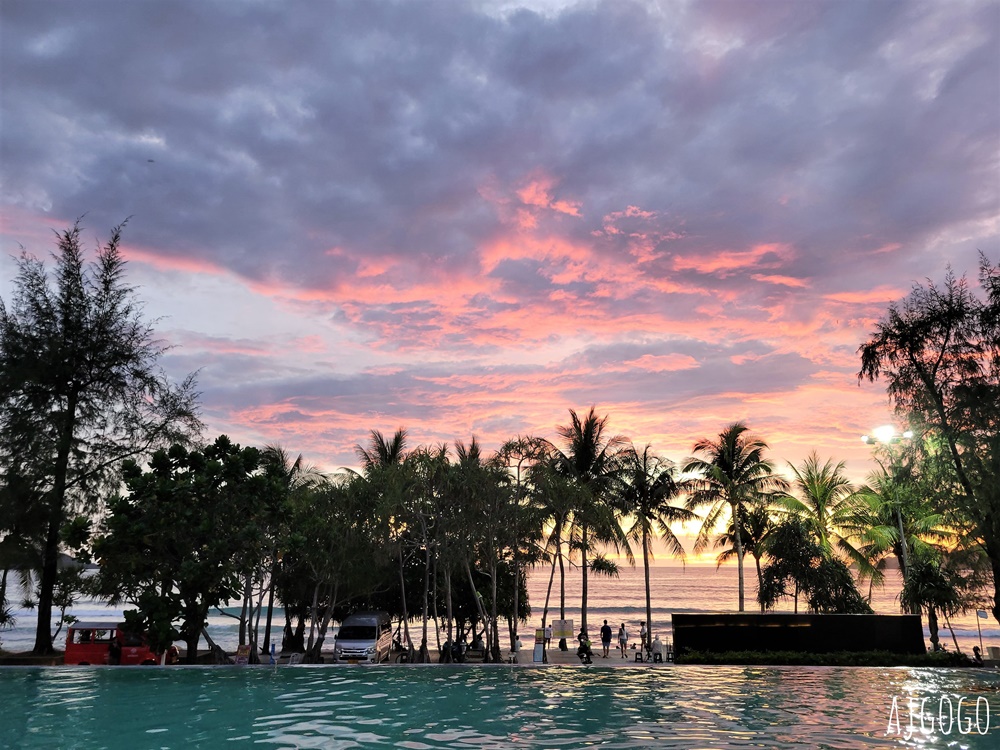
548 636
606 639
642 637
622 639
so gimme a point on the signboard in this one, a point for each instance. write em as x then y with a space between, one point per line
562 629
242 655
539 635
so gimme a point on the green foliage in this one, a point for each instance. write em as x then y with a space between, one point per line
932 587
731 476
592 461
799 564
939 353
80 389
180 539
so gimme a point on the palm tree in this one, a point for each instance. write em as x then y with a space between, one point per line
381 451
829 505
645 493
755 532
290 477
895 519
591 459
731 474
382 464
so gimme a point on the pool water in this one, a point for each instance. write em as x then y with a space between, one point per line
435 706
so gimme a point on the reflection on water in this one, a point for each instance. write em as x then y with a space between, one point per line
422 707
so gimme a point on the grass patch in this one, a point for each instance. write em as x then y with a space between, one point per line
833 659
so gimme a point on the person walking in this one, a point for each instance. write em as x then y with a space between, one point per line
622 639
548 636
606 639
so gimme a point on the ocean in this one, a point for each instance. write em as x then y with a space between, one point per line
675 588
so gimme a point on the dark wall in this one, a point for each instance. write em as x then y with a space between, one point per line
900 634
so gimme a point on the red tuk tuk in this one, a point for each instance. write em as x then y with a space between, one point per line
106 643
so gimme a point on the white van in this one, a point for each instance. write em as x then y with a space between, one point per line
363 637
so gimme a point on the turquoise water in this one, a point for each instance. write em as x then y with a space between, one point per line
420 707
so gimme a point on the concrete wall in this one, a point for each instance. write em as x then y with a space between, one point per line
901 634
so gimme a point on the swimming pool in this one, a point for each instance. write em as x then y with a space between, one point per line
435 706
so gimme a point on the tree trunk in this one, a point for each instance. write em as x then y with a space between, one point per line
645 565
50 559
932 628
446 654
406 614
739 553
266 645
517 592
194 616
562 598
548 590
245 609
478 599
427 592
494 617
760 578
995 564
947 621
583 595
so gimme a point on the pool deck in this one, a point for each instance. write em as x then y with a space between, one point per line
555 658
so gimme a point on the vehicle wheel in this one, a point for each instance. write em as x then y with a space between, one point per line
403 658
83 663
148 663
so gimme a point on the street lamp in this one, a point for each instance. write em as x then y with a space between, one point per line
886 434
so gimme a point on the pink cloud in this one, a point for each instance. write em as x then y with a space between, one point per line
172 263
664 362
538 193
760 256
780 280
879 295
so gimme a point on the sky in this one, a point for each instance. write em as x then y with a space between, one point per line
467 218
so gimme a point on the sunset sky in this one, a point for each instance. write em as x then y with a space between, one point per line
466 218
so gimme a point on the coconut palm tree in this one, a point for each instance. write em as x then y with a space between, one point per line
829 505
289 477
731 474
383 469
381 451
645 493
895 519
591 460
758 522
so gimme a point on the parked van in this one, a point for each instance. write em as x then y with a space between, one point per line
105 643
363 637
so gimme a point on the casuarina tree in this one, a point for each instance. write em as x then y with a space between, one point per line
81 389
938 351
